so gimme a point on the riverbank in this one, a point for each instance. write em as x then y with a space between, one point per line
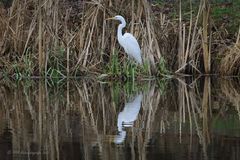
67 38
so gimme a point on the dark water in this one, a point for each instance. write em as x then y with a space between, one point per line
85 120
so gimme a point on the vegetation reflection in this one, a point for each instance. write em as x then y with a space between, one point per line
183 117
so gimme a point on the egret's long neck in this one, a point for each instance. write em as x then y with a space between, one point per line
120 28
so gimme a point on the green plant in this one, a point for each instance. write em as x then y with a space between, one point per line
162 69
17 73
28 64
56 64
114 66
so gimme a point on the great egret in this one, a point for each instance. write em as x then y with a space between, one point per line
128 41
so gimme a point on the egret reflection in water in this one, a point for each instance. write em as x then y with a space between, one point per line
127 117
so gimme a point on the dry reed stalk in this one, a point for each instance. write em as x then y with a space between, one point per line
193 54
152 43
67 41
238 37
150 119
206 108
187 100
181 111
189 33
3 21
16 34
181 46
187 46
40 39
205 39
197 115
32 27
40 119
91 96
92 107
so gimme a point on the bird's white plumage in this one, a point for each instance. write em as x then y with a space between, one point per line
128 41
132 47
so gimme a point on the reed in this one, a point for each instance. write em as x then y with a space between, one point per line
79 40
88 46
40 39
192 38
205 35
230 90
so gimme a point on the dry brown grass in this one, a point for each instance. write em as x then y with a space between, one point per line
43 29
78 39
230 63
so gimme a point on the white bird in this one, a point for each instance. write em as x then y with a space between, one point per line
128 41
127 117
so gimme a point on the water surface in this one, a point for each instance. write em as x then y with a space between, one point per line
195 119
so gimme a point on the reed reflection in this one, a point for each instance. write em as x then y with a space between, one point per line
82 120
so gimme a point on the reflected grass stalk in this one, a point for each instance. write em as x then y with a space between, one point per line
41 110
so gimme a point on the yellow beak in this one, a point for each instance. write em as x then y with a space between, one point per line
110 18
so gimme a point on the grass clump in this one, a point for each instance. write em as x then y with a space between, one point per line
162 67
126 70
114 67
230 63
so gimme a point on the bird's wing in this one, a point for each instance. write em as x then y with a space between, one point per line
132 48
